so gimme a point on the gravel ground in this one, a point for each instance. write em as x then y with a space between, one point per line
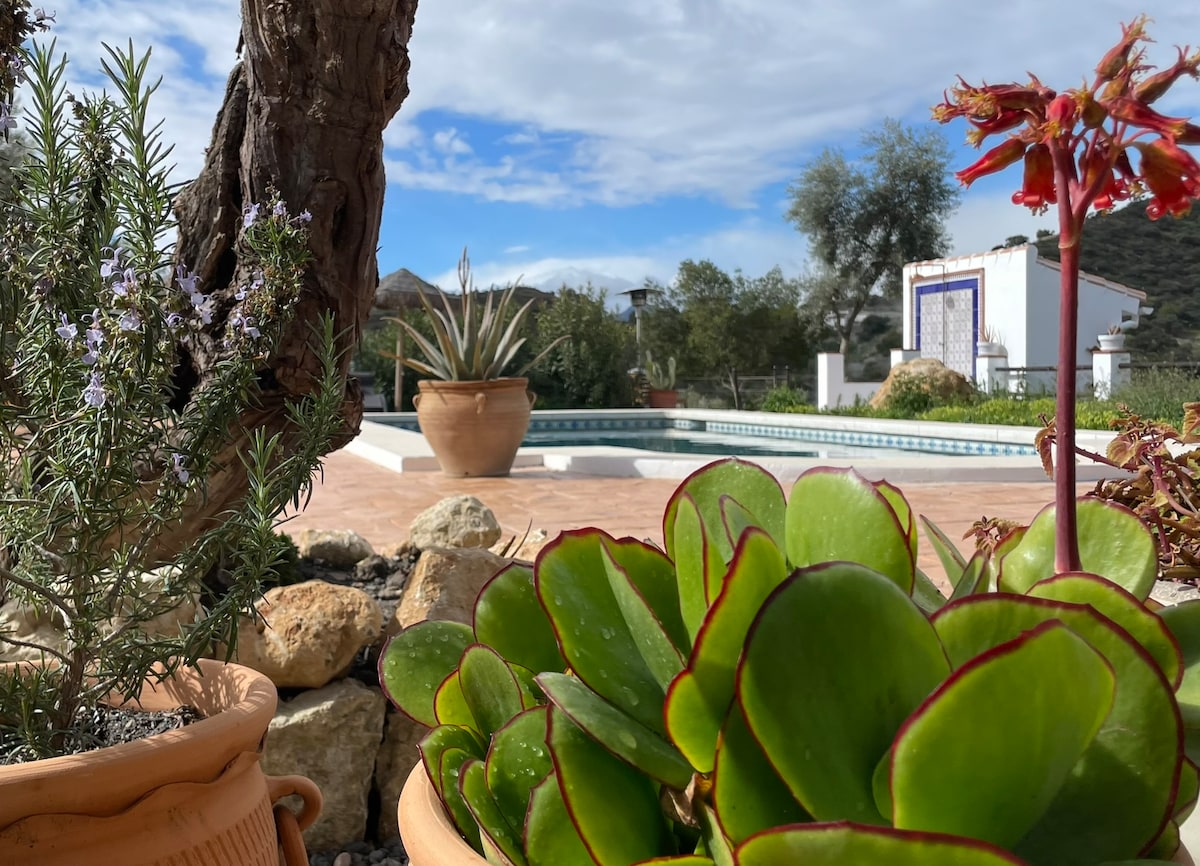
362 854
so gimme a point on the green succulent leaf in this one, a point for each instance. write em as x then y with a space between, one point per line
614 807
926 593
904 512
837 515
490 688
550 836
494 828
1113 543
451 707
1110 600
1165 845
698 700
616 731
658 651
846 844
1187 791
445 737
1024 741
947 551
755 489
591 630
747 794
1119 794
698 563
848 640
974 577
517 760
678 860
510 619
1183 620
416 661
449 771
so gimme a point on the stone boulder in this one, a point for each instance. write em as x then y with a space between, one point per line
339 548
397 756
308 633
21 622
456 521
933 377
444 585
525 549
332 736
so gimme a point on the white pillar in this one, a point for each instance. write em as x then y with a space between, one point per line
899 356
831 375
988 375
1110 370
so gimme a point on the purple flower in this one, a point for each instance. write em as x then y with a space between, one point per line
249 215
68 331
177 467
94 337
204 309
108 267
125 283
305 216
240 294
131 321
280 209
41 16
186 281
174 321
94 394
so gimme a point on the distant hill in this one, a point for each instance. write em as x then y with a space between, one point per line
1163 259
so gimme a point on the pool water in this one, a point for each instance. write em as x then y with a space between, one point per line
696 442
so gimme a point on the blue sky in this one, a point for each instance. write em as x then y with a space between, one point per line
592 139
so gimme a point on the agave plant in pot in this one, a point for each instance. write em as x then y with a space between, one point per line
473 415
662 383
780 684
101 629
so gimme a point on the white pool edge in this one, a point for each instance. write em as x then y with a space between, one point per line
407 451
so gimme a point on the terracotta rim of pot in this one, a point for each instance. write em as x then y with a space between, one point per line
237 703
429 837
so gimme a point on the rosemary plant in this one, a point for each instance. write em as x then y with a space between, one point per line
103 451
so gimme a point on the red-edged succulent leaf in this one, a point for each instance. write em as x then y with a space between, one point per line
1184 622
517 760
623 736
847 844
849 641
699 698
1024 738
1113 543
510 619
449 770
904 512
450 704
947 552
590 628
445 737
494 829
1118 797
653 576
1121 607
489 687
614 807
657 649
837 515
754 488
550 837
698 563
416 661
974 577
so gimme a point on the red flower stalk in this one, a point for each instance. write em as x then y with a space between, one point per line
998 158
1038 189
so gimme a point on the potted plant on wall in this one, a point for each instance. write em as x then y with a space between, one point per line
662 383
104 627
990 343
472 414
1113 341
781 685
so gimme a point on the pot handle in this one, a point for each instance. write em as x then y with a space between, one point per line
416 401
480 402
532 397
288 826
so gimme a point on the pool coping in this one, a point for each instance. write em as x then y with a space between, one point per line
407 451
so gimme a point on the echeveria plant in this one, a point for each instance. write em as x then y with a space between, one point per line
99 458
782 685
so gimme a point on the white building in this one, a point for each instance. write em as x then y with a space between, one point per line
951 305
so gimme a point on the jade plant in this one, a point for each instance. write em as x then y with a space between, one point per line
783 685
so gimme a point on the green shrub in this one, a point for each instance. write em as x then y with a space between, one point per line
1159 394
784 398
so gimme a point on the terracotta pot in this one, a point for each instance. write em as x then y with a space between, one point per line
662 398
194 796
430 838
474 428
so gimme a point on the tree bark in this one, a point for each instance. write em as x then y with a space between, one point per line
304 114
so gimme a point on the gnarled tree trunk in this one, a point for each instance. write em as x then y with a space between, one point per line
304 113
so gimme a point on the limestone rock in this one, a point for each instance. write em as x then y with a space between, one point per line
1169 592
340 548
20 622
311 632
331 735
397 756
444 585
176 613
934 377
399 550
456 521
525 549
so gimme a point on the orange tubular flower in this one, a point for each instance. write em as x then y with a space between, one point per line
1130 110
1159 83
1190 134
997 159
1171 176
1038 191
1113 63
1098 164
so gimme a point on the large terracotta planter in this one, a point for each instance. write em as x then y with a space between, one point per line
663 398
430 838
194 796
474 428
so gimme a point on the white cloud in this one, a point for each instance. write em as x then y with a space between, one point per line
517 248
451 141
983 221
